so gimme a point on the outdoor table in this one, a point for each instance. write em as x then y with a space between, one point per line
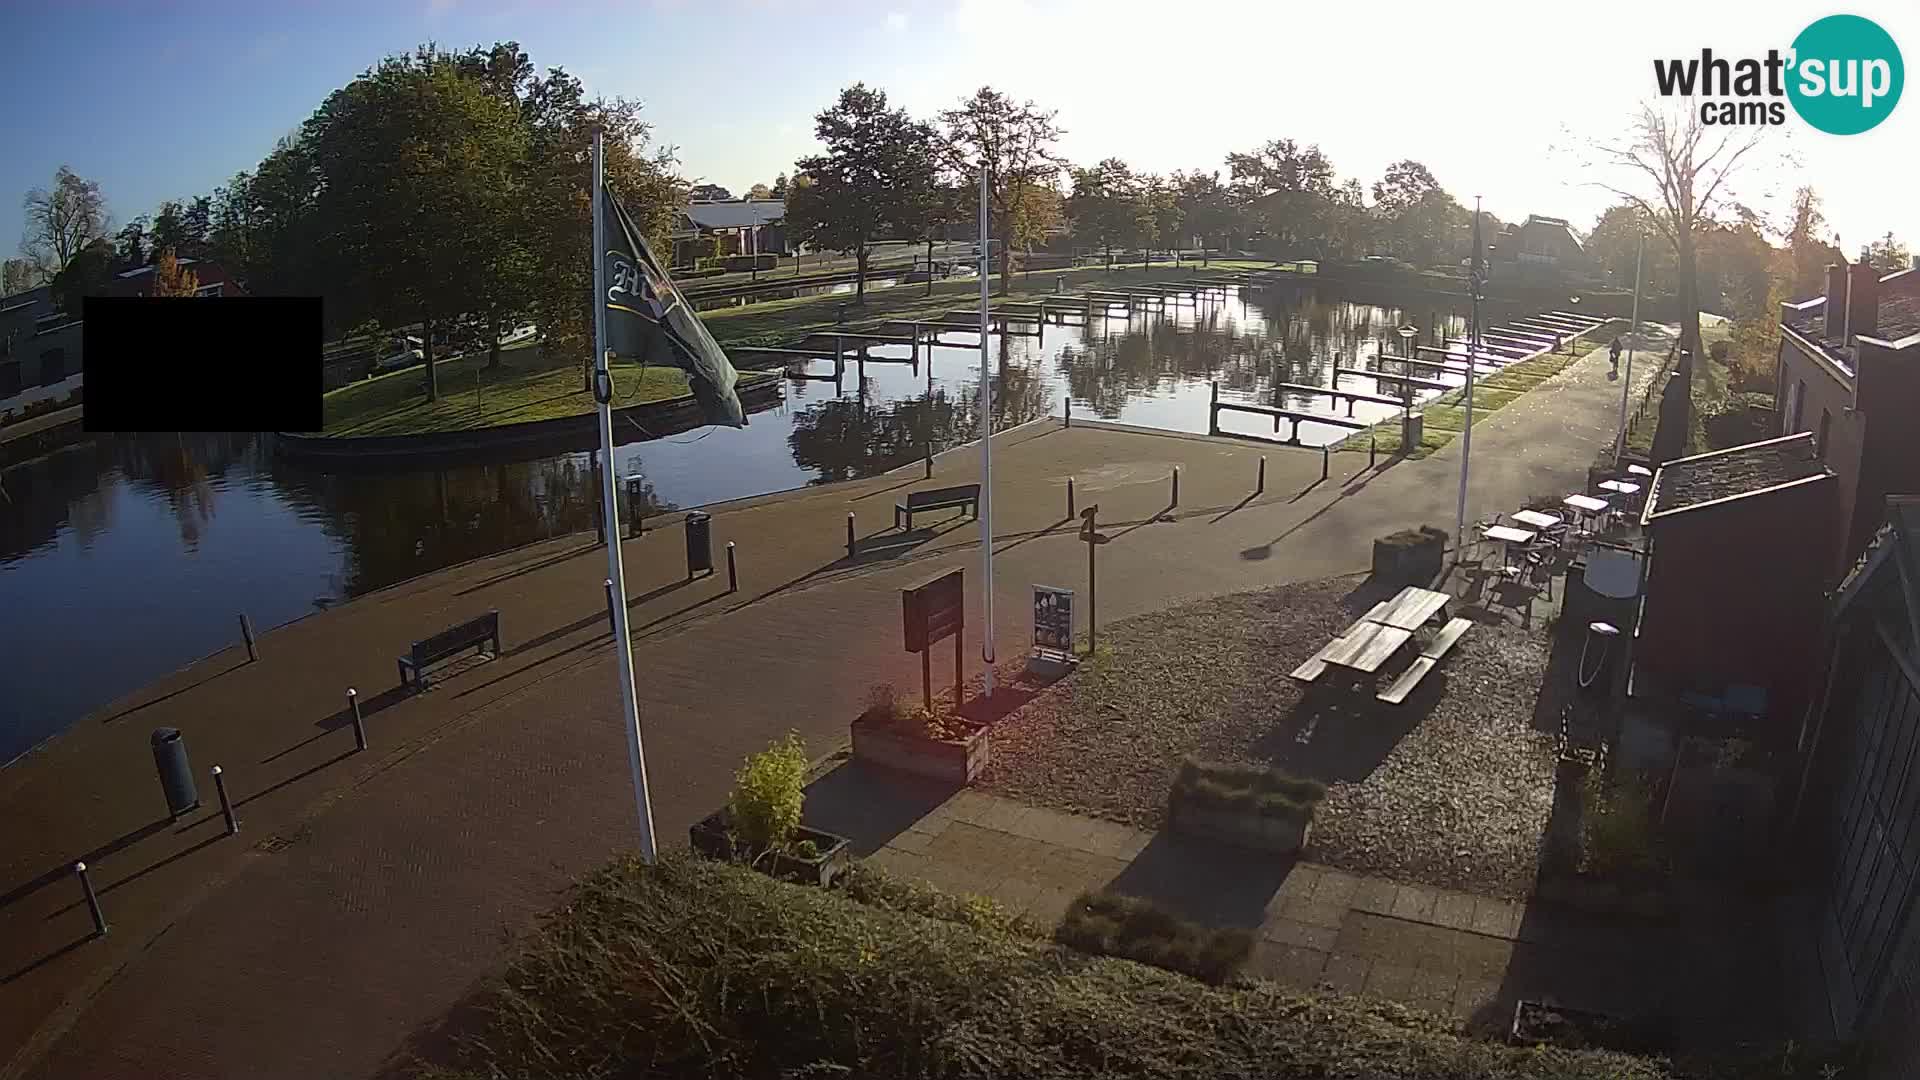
1589 507
1367 646
1639 470
1537 519
1623 487
1412 609
1509 536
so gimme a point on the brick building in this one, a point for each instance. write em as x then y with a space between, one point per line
1849 372
212 277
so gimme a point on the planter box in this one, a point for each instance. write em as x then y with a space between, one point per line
1537 1022
713 839
955 762
1404 558
1413 428
1284 836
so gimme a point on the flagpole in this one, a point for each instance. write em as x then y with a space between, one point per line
1620 442
986 454
1474 287
603 394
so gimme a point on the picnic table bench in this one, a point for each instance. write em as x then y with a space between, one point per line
1436 650
967 495
475 633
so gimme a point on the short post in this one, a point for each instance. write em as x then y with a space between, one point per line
611 625
1325 460
1213 407
1069 412
1176 486
850 541
733 575
359 722
1260 481
1373 446
226 804
929 459
1070 510
93 901
246 635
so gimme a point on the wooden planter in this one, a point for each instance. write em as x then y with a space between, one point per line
1415 557
952 761
714 839
1280 835
1536 1022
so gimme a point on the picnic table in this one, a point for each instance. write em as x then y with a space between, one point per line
1382 633
1412 609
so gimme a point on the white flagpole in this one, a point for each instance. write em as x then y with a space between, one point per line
1473 359
603 393
1620 443
986 454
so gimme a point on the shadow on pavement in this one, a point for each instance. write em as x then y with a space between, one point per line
1212 884
439 1042
870 806
48 959
195 685
117 844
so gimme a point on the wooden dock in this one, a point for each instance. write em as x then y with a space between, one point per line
1294 416
1404 380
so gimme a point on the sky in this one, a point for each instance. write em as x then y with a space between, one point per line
161 100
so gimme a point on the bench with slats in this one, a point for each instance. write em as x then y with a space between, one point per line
965 496
1436 650
475 633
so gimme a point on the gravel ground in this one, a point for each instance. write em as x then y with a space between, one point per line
1452 788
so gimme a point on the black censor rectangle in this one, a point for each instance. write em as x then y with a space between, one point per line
239 363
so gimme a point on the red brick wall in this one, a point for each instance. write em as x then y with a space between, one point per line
1735 594
1846 440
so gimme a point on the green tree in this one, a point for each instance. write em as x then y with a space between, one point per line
1103 206
1421 219
1160 218
62 221
86 274
130 245
1888 255
1809 253
1287 192
1014 143
1206 209
19 275
870 181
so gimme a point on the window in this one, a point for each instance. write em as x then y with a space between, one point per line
1820 440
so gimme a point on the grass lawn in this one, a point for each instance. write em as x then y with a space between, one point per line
1446 414
527 386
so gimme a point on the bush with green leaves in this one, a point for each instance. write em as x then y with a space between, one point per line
768 794
1113 924
1246 789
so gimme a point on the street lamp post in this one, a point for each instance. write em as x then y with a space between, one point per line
1407 334
1476 289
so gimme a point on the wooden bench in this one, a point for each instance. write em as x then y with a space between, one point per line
475 633
1446 639
1314 665
967 495
1435 651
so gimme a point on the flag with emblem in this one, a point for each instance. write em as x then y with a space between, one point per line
649 322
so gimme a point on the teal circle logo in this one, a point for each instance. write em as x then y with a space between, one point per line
1846 75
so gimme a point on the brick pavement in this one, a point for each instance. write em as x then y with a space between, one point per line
386 877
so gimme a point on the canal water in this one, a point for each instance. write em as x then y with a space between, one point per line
127 557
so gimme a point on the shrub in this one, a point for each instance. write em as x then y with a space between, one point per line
1412 538
768 793
1617 829
1719 350
1247 789
1111 924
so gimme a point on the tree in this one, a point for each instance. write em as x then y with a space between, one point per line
1614 244
1686 167
759 191
1888 255
169 227
1206 210
86 274
1160 217
1809 254
1014 144
709 193
1104 206
867 182
62 220
172 279
779 189
19 275
130 244
1287 191
1421 219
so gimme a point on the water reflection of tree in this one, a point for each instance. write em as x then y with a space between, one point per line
1106 370
845 439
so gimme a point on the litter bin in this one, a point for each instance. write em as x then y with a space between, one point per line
699 543
176 775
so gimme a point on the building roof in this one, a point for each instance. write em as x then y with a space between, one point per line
148 269
1897 322
1710 479
1896 550
736 213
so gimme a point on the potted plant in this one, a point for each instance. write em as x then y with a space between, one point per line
760 825
1410 554
937 743
1247 805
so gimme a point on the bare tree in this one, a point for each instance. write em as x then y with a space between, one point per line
1689 169
62 221
1015 144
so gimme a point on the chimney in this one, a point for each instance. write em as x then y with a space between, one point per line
1863 301
1836 309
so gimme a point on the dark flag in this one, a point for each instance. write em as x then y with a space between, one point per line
650 322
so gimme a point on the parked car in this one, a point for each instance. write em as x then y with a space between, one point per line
401 353
515 336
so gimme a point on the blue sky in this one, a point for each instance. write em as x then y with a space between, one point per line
167 100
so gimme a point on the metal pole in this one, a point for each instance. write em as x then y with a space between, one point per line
611 628
1260 481
1474 286
1620 442
1070 510
1093 589
226 804
603 393
1176 486
246 635
1069 413
986 455
850 540
359 722
733 575
93 901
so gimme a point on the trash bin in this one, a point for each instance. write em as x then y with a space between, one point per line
176 775
699 543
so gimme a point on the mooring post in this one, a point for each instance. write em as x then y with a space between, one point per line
226 804
1069 412
1070 510
1260 479
359 722
929 459
93 901
1325 456
1176 486
1373 446
246 635
1213 407
850 542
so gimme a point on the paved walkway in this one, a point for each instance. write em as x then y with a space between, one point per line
367 891
1448 953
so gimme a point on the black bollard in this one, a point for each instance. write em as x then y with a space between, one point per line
929 459
1373 447
850 541
1069 413
733 576
1260 482
359 722
226 804
93 901
1325 460
1070 510
1176 486
246 635
611 625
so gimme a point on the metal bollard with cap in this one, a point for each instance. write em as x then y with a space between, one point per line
93 899
359 723
851 549
226 804
733 575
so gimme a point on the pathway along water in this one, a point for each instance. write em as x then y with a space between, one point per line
127 557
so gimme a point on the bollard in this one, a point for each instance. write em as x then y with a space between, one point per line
359 722
1070 510
1260 482
610 623
1373 447
1325 461
1069 413
929 459
226 804
733 576
850 542
93 901
246 635
1176 486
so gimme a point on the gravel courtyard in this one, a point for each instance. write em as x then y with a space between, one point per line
1452 788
